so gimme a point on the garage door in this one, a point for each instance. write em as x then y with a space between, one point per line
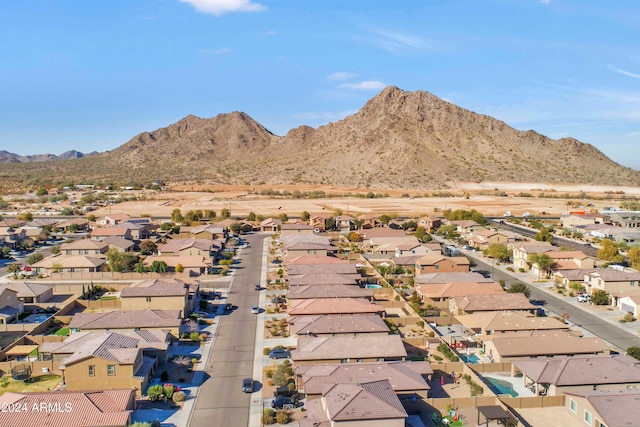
626 308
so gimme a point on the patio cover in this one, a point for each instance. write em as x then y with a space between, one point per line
20 350
494 412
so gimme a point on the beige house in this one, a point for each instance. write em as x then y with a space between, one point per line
430 223
206 232
523 250
79 224
324 306
313 259
113 219
328 291
484 238
475 303
30 292
560 375
323 279
85 247
204 248
102 233
336 268
349 324
348 349
162 320
370 404
500 322
10 306
102 408
110 361
602 408
630 304
69 264
286 229
442 292
531 344
568 260
120 244
270 225
575 221
612 281
437 263
409 249
157 294
407 378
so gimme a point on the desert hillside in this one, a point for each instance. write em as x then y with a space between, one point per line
399 139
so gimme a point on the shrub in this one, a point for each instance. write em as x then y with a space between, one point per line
282 417
267 416
154 392
168 391
269 373
179 396
194 336
628 317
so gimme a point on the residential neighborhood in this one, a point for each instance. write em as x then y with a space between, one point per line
366 326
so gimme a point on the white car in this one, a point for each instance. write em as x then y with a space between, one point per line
583 298
255 310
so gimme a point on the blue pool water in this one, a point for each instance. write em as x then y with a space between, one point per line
501 386
470 358
374 286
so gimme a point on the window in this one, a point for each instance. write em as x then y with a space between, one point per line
573 405
588 418
148 299
600 424
92 370
111 370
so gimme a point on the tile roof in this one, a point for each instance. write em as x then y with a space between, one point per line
442 278
338 324
116 347
332 306
613 275
313 259
27 289
449 290
177 245
403 376
83 244
349 347
155 287
341 268
500 321
107 408
493 301
545 343
582 370
153 339
367 401
323 279
118 242
328 291
127 319
187 261
68 261
617 408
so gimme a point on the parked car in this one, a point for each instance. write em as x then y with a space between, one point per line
247 385
283 402
255 309
258 287
287 392
229 307
583 298
279 353
278 300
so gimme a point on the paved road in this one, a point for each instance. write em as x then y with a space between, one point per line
590 322
220 401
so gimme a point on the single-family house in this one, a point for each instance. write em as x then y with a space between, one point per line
438 263
323 279
409 249
30 292
270 225
60 263
112 219
522 251
349 324
337 268
204 248
120 244
443 278
576 221
348 349
296 228
474 303
10 306
311 307
102 233
627 219
484 238
613 281
430 223
73 225
345 223
313 259
602 408
156 294
87 247
194 265
630 303
163 320
500 322
442 292
328 291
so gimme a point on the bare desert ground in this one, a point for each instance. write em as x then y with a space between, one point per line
482 197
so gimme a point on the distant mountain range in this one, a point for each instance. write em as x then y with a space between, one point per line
399 139
7 157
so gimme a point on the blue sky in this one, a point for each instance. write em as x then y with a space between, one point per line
88 75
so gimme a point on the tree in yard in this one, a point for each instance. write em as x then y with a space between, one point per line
159 266
609 251
499 252
634 352
225 213
251 217
148 247
599 297
354 237
384 219
91 218
4 253
33 258
450 231
154 392
330 224
409 225
543 261
14 269
544 235
519 288
305 216
634 257
176 216
209 214
120 261
25 216
166 226
283 217
193 216
236 228
422 235
179 268
140 268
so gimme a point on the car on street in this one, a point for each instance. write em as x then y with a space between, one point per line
258 287
255 309
278 300
283 402
583 298
229 307
279 353
247 385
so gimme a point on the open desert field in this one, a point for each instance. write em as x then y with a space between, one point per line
488 198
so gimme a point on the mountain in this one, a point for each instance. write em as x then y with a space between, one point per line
399 139
7 157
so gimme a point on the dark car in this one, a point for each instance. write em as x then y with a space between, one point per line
279 353
283 402
228 307
247 385
278 300
257 287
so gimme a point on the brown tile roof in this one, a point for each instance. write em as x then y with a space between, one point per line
109 231
449 290
500 321
27 289
112 346
70 261
177 245
146 339
442 278
107 408
433 258
328 291
582 370
367 401
155 287
403 376
614 407
349 347
83 244
338 324
613 275
314 259
567 255
118 242
129 319
313 306
323 279
341 268
492 302
378 232
546 343
575 274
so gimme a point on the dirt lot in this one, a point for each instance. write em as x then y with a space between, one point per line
482 197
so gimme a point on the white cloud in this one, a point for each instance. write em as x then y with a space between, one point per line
402 43
545 1
623 72
220 7
365 85
341 75
268 33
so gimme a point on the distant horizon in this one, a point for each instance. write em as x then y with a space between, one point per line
89 77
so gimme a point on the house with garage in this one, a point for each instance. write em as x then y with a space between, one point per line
345 324
11 307
437 263
602 408
348 349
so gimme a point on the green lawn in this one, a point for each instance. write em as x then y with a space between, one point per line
40 383
64 332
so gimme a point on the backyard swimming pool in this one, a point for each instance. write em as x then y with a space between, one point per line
373 286
501 386
470 358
